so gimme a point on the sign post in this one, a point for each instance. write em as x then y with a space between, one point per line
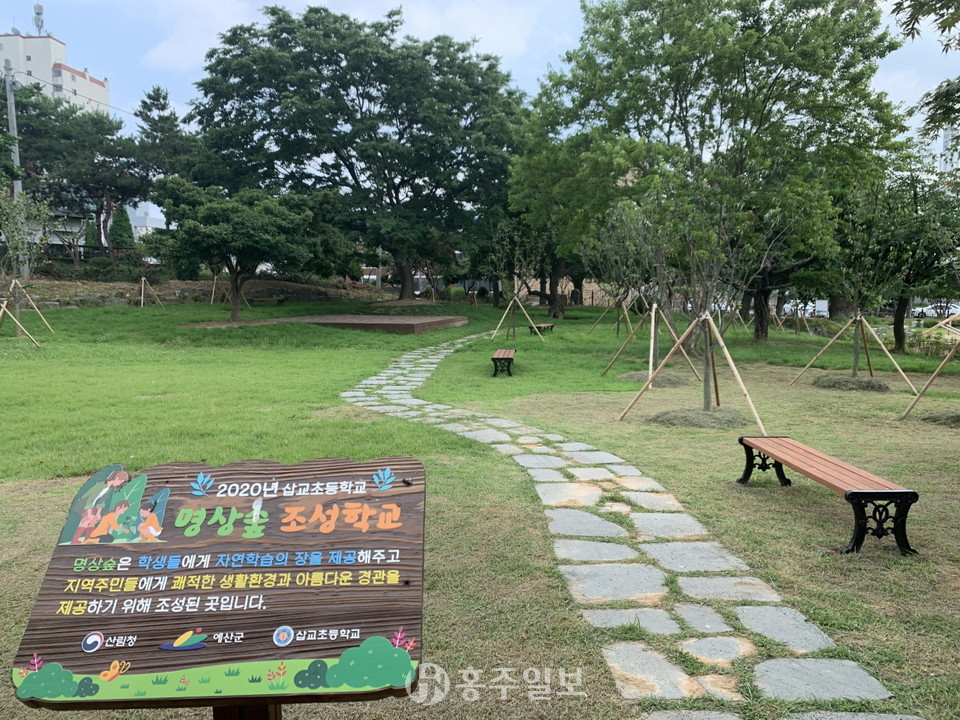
241 587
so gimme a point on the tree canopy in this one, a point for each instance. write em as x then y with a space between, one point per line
739 116
413 133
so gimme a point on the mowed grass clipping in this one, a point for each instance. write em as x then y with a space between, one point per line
142 387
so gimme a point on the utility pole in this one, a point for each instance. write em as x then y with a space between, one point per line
14 149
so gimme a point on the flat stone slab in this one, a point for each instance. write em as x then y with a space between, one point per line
589 551
591 473
501 423
721 651
507 449
728 588
578 522
541 475
455 427
643 484
487 436
650 619
554 437
693 556
577 494
615 581
575 447
668 525
625 470
817 679
691 715
828 715
641 673
784 625
540 461
702 619
654 501
527 440
595 457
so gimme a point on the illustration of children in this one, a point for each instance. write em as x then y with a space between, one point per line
149 527
89 504
108 524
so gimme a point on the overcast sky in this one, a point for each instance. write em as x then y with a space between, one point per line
137 44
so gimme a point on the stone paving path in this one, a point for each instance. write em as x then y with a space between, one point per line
605 564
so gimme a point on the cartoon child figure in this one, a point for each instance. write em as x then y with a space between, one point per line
91 512
149 527
108 523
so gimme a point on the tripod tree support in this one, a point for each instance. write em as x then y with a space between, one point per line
516 301
711 327
144 284
654 312
936 374
864 329
4 311
16 283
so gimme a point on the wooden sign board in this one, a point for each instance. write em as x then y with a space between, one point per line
193 585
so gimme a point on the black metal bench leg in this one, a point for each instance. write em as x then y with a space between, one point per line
784 480
756 459
748 467
900 527
859 525
883 522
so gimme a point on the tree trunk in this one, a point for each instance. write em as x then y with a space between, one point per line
761 314
405 271
576 296
544 298
707 372
236 284
745 302
899 324
497 292
857 332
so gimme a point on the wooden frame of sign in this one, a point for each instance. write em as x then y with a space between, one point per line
250 584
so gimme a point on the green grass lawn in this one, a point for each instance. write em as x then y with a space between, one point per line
138 386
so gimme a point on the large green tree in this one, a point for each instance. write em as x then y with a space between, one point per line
414 133
745 103
236 233
77 160
942 104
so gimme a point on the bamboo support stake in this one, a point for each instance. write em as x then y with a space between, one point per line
529 320
866 350
743 388
660 367
890 358
4 311
602 315
624 347
33 305
682 351
713 364
825 347
653 337
947 359
945 323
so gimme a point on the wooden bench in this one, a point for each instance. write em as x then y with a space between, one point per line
279 300
542 327
502 360
879 507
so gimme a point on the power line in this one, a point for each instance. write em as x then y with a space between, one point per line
35 79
